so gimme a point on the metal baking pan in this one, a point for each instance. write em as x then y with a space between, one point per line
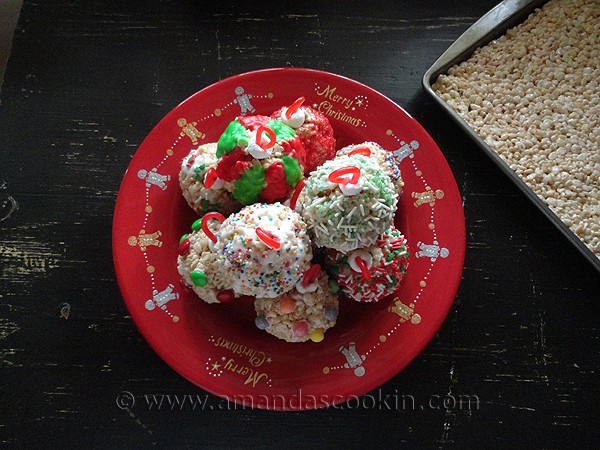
492 25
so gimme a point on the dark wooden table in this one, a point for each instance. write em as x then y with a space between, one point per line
87 81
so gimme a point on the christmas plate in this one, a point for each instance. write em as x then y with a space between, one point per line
217 346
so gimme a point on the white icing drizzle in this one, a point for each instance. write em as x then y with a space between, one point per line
351 189
255 150
312 287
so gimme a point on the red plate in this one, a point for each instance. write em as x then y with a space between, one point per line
217 346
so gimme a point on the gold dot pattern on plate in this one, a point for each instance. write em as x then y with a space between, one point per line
189 136
425 198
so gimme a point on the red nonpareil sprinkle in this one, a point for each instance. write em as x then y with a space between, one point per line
362 265
360 151
272 137
225 296
210 178
211 215
294 107
311 274
340 176
296 194
270 240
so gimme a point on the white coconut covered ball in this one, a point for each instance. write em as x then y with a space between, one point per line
387 160
348 203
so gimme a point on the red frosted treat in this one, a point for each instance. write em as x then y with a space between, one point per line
314 131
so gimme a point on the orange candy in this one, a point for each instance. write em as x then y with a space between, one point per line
287 305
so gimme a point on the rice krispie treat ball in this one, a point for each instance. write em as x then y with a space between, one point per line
260 159
201 187
313 129
348 203
385 159
372 273
304 313
199 266
266 249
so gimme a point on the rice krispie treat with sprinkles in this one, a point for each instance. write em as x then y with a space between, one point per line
372 273
201 187
304 313
313 129
199 266
260 159
387 160
348 203
266 249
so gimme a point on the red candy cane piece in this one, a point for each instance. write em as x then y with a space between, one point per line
211 215
360 151
294 107
272 137
296 193
311 274
210 178
362 265
339 176
270 240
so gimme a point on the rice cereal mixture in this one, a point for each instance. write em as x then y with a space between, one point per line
534 96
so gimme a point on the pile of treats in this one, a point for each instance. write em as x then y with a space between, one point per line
534 96
278 204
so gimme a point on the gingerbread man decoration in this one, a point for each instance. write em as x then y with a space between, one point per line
145 240
190 130
429 196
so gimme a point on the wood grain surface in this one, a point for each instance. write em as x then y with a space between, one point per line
86 82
